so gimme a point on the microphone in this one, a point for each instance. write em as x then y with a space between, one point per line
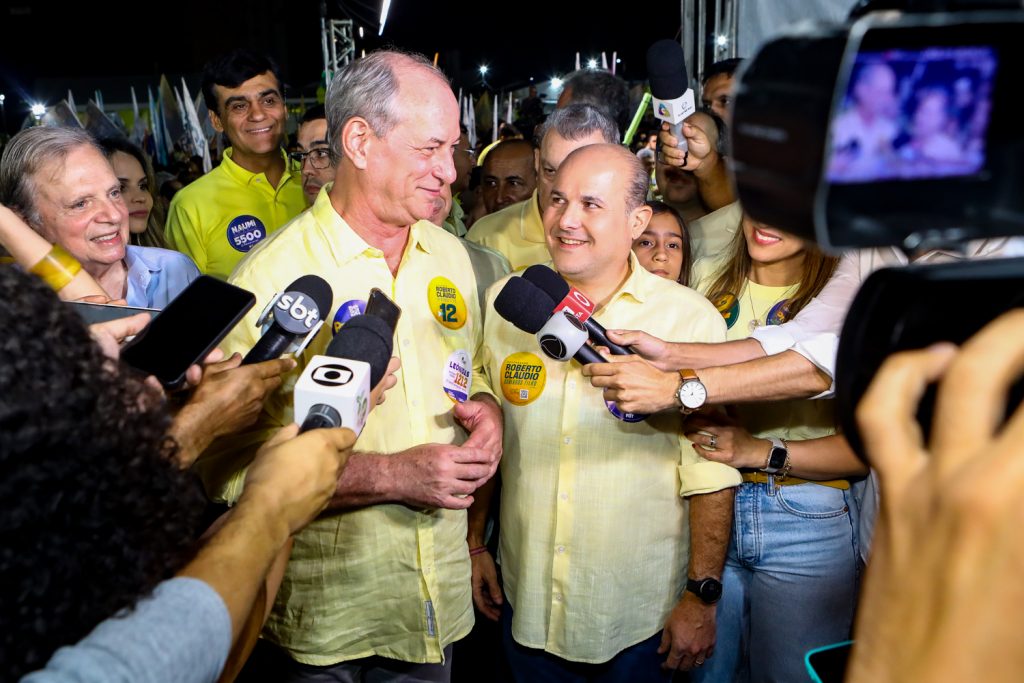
575 302
670 89
561 336
334 389
291 319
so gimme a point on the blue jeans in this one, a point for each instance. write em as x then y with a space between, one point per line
638 663
790 582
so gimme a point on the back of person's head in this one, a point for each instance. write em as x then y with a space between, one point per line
25 154
314 113
233 68
603 90
577 121
96 512
726 67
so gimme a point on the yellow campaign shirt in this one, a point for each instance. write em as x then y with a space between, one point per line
793 420
220 217
516 232
387 579
594 521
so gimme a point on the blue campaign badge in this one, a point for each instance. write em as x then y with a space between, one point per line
347 310
625 417
245 232
779 313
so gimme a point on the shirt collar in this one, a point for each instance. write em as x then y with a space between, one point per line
247 177
637 286
346 244
141 268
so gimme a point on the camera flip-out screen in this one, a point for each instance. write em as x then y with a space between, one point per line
911 114
898 130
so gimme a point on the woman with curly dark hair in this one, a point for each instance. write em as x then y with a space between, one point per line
95 510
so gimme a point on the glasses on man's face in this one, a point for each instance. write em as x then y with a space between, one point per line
467 150
319 157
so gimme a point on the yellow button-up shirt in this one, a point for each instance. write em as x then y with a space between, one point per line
220 217
594 520
516 232
387 579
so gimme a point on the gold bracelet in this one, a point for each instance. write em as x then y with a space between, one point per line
57 268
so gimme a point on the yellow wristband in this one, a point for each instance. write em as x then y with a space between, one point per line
57 268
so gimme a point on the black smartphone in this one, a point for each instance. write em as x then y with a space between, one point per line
380 306
188 329
101 313
828 664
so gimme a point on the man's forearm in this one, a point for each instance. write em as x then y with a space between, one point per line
710 529
781 377
694 356
478 513
715 187
235 561
368 479
190 431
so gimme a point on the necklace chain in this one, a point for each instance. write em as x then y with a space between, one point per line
756 321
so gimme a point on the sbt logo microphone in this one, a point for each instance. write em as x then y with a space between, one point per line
338 387
296 312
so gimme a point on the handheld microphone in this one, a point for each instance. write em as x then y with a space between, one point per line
291 319
561 336
572 300
672 96
334 389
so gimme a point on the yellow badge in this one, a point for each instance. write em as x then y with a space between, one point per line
446 303
522 378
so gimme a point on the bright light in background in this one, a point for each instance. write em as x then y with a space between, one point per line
384 16
591 63
483 69
721 41
360 31
618 61
556 83
4 97
38 110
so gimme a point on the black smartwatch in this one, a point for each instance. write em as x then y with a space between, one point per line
708 590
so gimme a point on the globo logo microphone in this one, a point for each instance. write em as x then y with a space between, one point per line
296 312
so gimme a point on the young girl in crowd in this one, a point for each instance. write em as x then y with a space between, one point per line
664 246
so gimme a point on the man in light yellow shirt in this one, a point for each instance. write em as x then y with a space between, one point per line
220 217
381 585
516 231
603 517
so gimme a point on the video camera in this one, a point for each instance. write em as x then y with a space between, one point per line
894 130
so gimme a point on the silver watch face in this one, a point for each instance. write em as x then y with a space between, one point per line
693 394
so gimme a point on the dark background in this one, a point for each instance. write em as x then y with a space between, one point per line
47 47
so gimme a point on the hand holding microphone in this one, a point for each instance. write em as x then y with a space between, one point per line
292 319
673 99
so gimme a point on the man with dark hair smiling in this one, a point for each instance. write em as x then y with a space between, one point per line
217 219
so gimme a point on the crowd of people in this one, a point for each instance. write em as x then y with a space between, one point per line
689 509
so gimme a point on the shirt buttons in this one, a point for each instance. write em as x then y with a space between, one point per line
415 403
567 440
405 342
560 549
563 496
558 597
572 385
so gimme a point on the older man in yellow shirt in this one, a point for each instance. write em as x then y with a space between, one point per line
380 587
603 517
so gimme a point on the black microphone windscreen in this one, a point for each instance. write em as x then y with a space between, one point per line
366 338
317 289
547 280
524 305
666 70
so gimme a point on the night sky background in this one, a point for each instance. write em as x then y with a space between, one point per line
46 47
